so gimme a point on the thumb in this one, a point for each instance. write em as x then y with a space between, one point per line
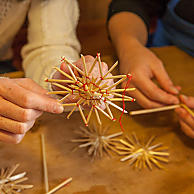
188 100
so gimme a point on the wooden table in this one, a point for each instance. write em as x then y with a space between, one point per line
109 175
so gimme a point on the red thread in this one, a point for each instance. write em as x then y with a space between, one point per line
123 94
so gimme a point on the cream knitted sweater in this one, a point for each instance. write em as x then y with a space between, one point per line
51 33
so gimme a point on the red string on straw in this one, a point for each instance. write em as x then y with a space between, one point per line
123 94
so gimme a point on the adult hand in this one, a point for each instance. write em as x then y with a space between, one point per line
186 119
144 67
22 101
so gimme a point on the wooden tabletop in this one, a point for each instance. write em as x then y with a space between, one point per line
109 175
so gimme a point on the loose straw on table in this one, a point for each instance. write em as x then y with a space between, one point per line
60 186
44 163
146 111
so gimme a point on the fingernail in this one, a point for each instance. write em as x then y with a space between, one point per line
174 90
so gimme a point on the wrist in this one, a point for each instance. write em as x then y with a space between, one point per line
128 50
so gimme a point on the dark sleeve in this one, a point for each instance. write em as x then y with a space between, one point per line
146 9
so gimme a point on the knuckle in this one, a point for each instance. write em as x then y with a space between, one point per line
26 115
22 128
28 80
89 58
148 105
26 100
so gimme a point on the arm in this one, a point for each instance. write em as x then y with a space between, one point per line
51 34
128 31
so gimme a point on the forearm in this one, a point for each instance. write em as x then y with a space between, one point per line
51 35
128 32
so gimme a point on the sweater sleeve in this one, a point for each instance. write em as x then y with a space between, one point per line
51 34
145 9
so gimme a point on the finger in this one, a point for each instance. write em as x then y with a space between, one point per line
12 111
163 79
10 137
154 92
27 99
142 99
186 129
188 100
178 88
185 116
70 99
31 85
15 126
89 61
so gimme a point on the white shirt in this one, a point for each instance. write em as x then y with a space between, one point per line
51 34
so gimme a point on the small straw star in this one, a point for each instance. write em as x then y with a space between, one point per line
143 155
91 91
98 140
11 184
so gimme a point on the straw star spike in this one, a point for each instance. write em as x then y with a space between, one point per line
98 140
91 91
143 155
11 184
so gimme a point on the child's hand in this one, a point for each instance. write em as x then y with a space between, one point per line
144 67
186 120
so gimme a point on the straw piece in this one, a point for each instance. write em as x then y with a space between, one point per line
138 112
100 64
120 99
78 69
60 186
82 115
115 77
44 163
63 73
58 92
187 109
94 63
117 83
84 62
62 87
60 81
97 116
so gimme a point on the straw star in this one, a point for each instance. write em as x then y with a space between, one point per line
143 155
91 91
11 184
98 140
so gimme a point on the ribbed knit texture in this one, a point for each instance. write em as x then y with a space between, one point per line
51 33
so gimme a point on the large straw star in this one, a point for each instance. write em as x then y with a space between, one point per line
90 90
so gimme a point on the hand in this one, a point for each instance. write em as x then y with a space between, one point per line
95 73
144 67
22 101
186 120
